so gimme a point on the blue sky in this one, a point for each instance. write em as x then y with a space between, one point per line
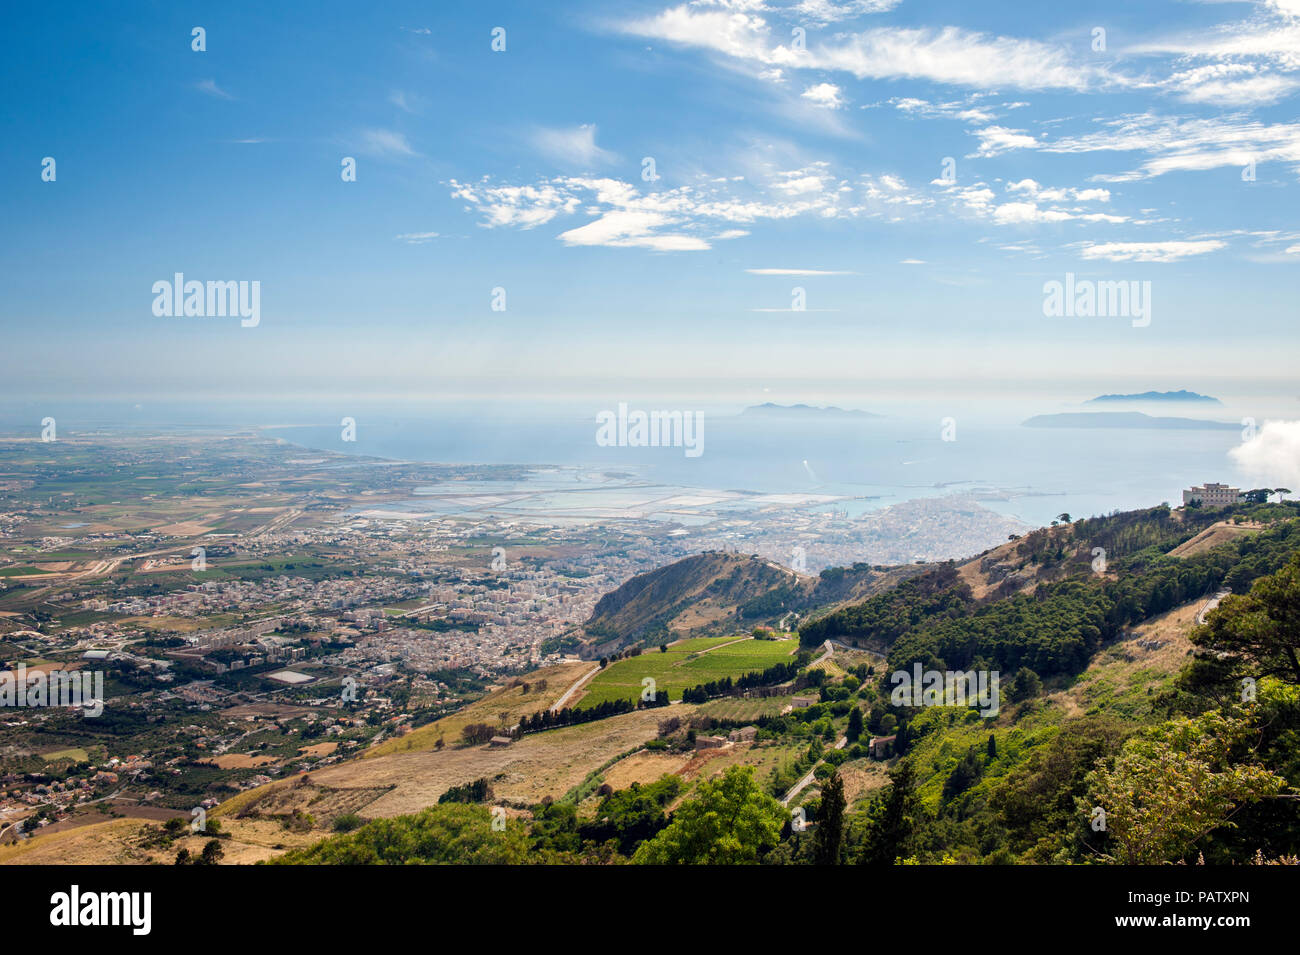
778 168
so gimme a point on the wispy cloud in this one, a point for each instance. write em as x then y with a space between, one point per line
404 101
945 55
687 218
574 146
417 238
1170 251
385 142
797 272
1181 144
211 88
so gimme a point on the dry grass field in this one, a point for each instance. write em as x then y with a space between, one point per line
538 765
1121 675
511 700
122 842
1212 536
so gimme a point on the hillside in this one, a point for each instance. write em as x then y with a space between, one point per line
1091 658
1094 662
805 412
720 593
1170 396
1091 548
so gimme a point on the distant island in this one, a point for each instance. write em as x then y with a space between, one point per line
1189 396
1123 419
770 410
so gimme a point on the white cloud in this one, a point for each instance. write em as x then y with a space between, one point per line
573 146
833 11
627 229
523 206
1239 63
946 55
1272 456
416 238
1170 251
824 94
954 56
1022 212
1231 84
995 140
817 12
1179 144
1028 186
960 111
800 185
688 217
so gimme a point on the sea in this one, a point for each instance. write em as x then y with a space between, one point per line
907 450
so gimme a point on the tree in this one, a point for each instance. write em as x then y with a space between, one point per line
892 819
1035 801
828 837
1280 491
1064 518
1172 785
855 724
964 775
992 752
452 833
212 853
730 821
1024 685
1258 632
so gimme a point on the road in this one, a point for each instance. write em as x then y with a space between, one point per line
559 704
808 778
845 646
1210 605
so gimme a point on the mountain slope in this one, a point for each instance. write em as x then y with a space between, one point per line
722 592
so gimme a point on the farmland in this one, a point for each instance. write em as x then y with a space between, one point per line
686 664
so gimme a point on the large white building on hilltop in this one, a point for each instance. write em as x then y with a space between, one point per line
1212 495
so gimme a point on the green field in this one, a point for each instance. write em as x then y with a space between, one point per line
75 753
744 708
685 665
22 571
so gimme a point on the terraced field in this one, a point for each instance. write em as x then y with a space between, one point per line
685 664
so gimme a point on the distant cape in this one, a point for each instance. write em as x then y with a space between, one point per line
1189 396
770 410
1124 419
